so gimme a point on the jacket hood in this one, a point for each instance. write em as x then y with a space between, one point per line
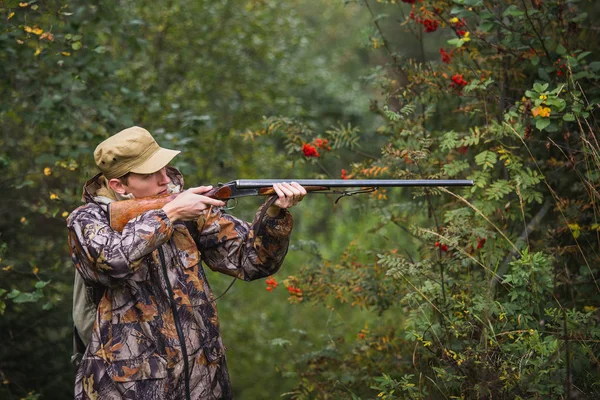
96 190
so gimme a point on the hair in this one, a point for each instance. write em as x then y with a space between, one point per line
125 179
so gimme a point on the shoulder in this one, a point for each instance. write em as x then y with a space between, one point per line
85 214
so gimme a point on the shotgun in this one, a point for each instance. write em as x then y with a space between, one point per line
121 212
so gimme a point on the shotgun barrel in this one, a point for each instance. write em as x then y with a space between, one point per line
261 183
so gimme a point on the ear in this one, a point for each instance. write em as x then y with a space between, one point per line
117 186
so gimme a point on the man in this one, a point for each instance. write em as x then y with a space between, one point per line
156 334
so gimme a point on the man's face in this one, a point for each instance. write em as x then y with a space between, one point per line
144 185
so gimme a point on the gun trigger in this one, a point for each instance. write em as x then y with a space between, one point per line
228 207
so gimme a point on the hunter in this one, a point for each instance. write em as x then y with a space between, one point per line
145 316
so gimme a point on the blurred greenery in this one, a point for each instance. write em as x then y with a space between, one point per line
488 292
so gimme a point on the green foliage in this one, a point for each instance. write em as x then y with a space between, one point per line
497 293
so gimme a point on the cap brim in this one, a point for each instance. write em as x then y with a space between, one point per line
157 161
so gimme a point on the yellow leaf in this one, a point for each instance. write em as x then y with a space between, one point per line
37 30
53 196
65 214
47 36
28 29
65 53
12 14
7 268
575 229
23 220
37 52
23 4
35 270
47 171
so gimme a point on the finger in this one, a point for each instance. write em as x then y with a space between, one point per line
287 189
277 188
296 194
200 189
299 191
300 188
210 201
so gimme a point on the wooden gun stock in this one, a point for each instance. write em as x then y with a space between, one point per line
121 212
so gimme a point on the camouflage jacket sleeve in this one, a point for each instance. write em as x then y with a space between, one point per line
236 248
102 255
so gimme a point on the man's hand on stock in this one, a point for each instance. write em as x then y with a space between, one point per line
190 204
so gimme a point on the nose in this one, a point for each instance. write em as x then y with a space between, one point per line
163 178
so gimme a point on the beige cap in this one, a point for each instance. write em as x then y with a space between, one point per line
131 150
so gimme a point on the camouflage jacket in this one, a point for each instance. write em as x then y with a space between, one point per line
158 305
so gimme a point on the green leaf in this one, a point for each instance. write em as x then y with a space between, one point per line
542 123
595 65
100 49
76 45
580 75
28 297
583 55
569 117
513 11
487 159
540 88
543 74
486 26
2 292
560 49
456 42
41 284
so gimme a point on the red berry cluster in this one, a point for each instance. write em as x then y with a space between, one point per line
310 150
430 25
459 24
446 57
480 242
322 144
294 291
443 247
344 174
458 82
462 149
561 66
271 284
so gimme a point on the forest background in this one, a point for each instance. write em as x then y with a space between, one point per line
484 292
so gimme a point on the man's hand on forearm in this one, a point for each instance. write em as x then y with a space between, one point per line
289 194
